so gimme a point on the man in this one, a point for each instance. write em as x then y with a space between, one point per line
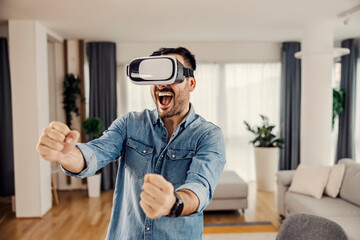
171 161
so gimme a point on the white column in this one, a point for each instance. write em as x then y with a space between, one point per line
316 93
30 106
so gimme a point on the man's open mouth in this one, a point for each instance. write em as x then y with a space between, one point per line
164 98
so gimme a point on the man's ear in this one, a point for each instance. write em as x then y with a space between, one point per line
192 84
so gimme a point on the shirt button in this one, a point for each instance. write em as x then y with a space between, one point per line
144 151
162 156
173 156
148 228
164 135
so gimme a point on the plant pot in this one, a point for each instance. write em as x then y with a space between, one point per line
94 184
266 161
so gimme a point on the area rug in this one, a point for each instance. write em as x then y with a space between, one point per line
238 227
241 236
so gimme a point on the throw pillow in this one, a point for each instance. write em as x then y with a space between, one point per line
335 179
310 180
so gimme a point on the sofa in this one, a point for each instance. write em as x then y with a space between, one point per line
344 209
230 193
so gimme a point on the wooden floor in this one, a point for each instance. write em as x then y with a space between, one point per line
262 208
79 217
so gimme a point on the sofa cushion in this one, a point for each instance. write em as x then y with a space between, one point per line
334 181
230 186
350 189
310 180
324 207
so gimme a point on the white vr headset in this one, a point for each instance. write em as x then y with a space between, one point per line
157 69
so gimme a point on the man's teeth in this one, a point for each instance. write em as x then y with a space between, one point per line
165 94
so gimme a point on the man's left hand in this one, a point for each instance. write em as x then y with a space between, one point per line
157 198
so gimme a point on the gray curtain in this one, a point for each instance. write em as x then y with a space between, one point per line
290 106
346 138
6 136
102 102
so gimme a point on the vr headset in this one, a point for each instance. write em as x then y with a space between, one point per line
157 69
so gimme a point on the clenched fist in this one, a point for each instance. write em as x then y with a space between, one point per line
157 198
57 141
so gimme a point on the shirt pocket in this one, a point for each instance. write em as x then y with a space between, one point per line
137 157
177 165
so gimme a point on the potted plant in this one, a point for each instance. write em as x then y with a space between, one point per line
267 147
338 104
93 128
71 92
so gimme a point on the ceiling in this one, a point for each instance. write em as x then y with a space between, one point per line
186 20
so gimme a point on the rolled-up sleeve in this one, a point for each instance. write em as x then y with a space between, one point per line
206 167
90 162
102 151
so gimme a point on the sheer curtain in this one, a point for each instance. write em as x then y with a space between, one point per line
138 97
205 97
250 90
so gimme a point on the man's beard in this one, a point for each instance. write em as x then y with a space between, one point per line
179 102
176 108
174 111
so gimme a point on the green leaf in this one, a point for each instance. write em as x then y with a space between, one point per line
338 104
92 127
71 90
264 135
249 128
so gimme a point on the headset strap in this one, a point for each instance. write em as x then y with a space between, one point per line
188 72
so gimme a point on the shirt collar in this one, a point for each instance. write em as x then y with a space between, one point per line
186 121
189 117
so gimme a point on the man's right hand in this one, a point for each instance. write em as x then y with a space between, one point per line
57 141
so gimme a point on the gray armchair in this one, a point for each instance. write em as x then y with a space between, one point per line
310 227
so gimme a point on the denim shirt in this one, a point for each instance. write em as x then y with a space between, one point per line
192 159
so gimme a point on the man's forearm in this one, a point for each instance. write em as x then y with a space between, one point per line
73 161
191 201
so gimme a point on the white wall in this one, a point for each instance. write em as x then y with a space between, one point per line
29 80
43 109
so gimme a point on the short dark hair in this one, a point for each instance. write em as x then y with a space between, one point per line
185 53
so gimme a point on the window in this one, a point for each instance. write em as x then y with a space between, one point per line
335 83
138 97
205 97
228 94
250 90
